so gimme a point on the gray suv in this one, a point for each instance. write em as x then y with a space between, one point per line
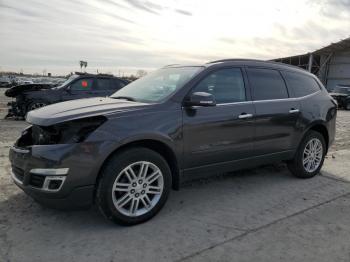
125 152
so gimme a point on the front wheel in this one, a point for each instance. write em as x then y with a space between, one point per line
309 157
134 186
35 105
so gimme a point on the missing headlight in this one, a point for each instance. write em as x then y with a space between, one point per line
74 131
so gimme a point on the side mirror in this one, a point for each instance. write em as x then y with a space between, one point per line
200 99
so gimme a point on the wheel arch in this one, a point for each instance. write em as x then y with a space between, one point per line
31 101
322 129
156 145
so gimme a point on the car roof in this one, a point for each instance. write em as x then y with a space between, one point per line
245 62
80 74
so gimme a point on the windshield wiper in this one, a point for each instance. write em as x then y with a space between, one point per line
129 98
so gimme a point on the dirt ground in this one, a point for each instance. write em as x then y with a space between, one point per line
263 214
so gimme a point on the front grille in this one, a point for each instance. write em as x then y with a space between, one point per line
36 180
18 172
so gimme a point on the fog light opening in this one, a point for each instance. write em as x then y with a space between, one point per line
53 183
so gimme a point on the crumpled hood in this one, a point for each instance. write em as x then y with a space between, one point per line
80 108
20 89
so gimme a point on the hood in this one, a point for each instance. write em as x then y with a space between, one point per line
20 89
80 108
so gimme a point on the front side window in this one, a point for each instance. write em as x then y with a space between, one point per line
83 84
267 84
300 84
226 85
158 85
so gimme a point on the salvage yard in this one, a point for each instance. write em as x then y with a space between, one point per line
263 214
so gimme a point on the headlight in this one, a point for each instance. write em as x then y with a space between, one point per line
74 131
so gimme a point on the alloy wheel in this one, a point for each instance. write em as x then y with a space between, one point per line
312 155
137 188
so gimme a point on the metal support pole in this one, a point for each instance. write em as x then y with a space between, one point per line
311 58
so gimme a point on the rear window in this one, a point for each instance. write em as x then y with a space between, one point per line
267 84
300 85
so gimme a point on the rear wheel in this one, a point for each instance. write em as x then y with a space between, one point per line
310 156
134 186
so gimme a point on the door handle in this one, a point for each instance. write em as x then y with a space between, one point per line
245 115
293 110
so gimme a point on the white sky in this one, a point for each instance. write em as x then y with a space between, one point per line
127 35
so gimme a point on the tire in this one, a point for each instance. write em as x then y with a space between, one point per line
35 105
296 165
119 205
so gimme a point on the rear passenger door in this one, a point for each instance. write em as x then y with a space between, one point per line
107 86
276 114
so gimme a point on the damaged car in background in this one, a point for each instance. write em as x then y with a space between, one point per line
79 85
342 95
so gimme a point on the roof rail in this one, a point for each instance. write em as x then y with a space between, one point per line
233 60
256 60
104 74
90 74
80 73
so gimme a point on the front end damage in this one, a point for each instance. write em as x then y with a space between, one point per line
55 165
17 107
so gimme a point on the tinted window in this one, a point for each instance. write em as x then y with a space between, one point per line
103 84
82 84
301 85
226 85
267 84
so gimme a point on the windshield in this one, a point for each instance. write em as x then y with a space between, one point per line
68 81
158 85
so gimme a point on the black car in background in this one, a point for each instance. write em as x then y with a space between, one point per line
342 95
125 152
80 85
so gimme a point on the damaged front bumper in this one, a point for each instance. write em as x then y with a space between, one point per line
58 176
15 110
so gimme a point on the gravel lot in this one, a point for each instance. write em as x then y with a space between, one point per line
263 214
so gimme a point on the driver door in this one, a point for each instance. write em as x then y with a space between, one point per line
219 134
81 88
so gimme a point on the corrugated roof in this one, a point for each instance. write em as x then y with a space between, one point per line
342 44
338 46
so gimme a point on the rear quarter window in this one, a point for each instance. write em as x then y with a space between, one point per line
300 84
